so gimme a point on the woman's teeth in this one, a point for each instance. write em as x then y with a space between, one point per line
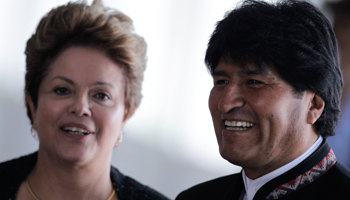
76 130
238 125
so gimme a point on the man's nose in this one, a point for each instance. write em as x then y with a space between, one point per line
81 106
231 98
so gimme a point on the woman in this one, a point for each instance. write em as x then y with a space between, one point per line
84 71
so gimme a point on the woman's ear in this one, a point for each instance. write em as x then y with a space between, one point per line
32 109
315 110
128 113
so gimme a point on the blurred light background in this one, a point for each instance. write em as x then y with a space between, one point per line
169 143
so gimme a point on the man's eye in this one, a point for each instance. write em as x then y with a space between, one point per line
61 91
252 81
220 82
102 96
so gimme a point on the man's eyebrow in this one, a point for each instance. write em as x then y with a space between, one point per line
247 72
244 72
64 79
220 73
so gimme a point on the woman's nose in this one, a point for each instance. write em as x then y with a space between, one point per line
231 98
81 106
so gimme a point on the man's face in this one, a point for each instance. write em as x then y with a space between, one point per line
260 122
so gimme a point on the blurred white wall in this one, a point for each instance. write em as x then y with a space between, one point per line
169 143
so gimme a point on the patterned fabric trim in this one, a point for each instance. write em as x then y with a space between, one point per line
306 178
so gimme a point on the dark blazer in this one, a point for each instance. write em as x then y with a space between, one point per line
14 172
319 177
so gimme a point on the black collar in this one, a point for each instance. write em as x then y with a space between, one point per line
301 175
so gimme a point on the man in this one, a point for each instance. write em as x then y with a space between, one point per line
275 100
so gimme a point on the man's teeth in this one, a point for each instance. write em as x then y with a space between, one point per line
238 125
76 130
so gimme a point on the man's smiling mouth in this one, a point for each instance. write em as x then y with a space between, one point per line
238 125
76 130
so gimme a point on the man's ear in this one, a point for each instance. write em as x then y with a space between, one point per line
315 109
32 109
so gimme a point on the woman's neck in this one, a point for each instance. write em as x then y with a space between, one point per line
55 179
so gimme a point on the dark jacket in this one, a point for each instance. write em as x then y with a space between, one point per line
14 172
319 177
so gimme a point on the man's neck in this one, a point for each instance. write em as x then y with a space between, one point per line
259 171
252 186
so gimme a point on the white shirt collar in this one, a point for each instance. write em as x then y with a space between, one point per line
252 186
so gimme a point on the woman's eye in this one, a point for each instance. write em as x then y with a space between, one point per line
61 91
102 96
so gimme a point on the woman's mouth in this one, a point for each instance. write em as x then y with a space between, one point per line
76 131
238 125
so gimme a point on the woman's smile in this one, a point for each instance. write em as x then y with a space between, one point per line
77 129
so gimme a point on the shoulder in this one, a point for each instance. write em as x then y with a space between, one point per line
14 172
334 184
340 175
128 188
20 166
214 189
10 164
337 177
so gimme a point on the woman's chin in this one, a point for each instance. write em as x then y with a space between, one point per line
77 155
72 156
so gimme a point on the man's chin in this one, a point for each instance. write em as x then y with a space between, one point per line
232 157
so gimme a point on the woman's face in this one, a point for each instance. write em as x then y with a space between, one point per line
80 112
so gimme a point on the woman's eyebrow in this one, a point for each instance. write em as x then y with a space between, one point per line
103 83
64 79
72 82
